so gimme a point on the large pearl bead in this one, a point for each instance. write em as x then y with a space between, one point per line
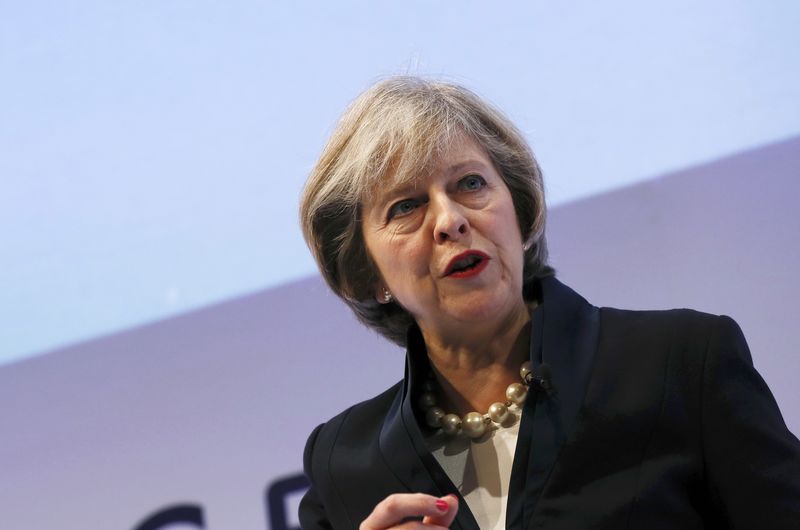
498 412
473 425
451 424
516 393
524 370
434 417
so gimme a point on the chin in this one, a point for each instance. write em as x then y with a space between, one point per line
484 310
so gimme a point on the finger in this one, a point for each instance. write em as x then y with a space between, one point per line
446 517
417 525
395 508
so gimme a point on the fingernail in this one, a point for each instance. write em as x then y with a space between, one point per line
442 505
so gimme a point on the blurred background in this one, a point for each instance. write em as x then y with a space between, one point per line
158 298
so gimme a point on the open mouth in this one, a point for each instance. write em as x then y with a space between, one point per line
467 263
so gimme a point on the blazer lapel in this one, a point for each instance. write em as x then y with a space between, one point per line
569 333
403 444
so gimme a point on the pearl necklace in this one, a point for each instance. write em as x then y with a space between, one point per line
475 424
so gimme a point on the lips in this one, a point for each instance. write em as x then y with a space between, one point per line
466 264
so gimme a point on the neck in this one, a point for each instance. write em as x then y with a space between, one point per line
474 369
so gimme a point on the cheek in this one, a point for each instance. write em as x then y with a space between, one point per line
379 254
504 225
509 240
400 260
411 258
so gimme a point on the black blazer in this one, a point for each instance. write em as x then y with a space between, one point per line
659 421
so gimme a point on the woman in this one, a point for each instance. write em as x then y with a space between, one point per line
522 405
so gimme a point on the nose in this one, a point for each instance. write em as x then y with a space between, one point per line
450 223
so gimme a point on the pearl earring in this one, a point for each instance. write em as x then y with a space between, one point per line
387 296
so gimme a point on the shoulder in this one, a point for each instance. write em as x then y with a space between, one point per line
362 421
679 357
687 320
624 327
675 329
337 453
670 349
650 369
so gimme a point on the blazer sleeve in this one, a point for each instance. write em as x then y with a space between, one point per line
311 511
752 460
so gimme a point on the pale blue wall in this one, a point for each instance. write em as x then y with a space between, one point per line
151 153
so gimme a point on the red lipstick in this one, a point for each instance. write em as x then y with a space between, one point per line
467 264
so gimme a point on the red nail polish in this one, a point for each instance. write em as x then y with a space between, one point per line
442 505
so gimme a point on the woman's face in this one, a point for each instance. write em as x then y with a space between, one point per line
450 249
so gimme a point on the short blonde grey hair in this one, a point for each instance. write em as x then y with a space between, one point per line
392 134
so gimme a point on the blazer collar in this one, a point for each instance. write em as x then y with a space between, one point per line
564 335
403 444
569 335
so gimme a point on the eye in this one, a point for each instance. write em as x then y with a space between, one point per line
402 208
472 183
